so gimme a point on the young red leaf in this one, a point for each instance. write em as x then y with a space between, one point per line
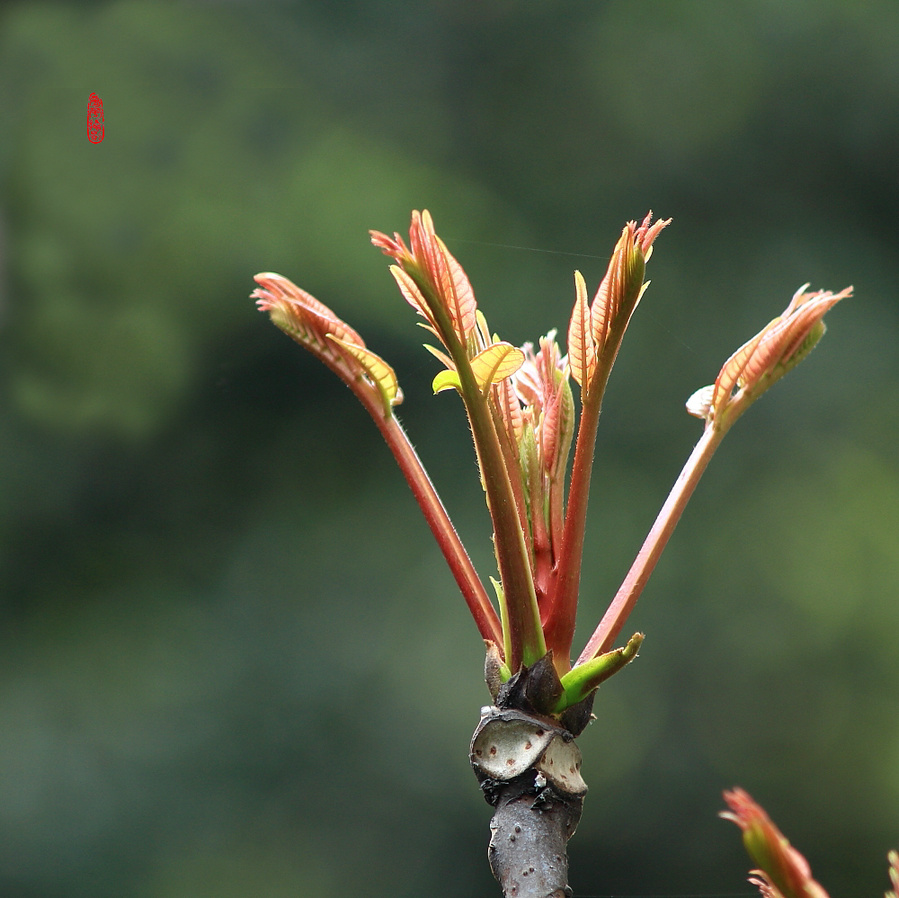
510 409
771 353
456 289
581 350
299 313
783 872
412 295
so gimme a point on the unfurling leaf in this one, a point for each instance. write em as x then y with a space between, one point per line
893 858
457 290
412 294
580 681
378 371
782 871
448 379
700 402
430 278
581 351
621 288
510 410
496 363
763 360
299 314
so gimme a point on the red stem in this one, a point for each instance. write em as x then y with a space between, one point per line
560 622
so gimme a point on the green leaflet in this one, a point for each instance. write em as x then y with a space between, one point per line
378 371
496 363
445 380
504 619
490 366
579 682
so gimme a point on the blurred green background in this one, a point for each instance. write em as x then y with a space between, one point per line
233 662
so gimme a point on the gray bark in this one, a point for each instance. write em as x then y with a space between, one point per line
529 770
528 843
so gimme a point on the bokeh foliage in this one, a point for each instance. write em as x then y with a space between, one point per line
223 621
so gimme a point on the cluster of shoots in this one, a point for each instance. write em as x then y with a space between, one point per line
523 419
522 416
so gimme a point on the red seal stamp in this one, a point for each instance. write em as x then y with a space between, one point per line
95 129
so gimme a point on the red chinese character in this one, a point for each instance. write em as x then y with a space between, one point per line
95 129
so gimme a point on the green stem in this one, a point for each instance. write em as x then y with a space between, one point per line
512 556
513 560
